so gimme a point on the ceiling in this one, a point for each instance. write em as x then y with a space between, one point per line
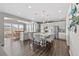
38 12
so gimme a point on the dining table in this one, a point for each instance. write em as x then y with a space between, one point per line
44 38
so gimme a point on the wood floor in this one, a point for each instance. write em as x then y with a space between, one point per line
20 48
58 48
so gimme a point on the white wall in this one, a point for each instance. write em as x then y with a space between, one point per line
74 42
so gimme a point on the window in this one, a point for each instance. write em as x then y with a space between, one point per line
31 27
20 27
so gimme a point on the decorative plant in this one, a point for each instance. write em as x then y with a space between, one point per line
75 19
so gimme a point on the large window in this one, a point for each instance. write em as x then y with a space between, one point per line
11 28
31 27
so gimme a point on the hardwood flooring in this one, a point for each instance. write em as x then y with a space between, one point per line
60 48
20 48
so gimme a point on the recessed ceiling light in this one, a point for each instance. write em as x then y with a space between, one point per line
59 11
29 7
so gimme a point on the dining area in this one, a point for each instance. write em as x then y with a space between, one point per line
42 40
